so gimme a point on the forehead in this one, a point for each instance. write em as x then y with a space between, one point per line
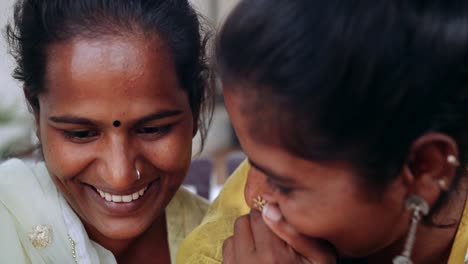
110 70
267 152
255 116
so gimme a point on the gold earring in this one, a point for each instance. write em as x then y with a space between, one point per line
259 203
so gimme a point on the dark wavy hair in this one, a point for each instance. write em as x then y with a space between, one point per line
39 23
356 81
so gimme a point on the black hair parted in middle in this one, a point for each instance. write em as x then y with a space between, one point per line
40 23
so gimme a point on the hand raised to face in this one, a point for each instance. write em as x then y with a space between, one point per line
254 242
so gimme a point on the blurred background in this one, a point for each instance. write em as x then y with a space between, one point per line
210 167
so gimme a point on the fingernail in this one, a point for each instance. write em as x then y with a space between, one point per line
271 213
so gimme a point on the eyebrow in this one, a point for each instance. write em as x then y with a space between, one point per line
70 119
270 174
159 115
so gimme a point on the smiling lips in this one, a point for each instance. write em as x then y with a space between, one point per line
122 198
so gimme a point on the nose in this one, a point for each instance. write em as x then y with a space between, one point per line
119 161
255 186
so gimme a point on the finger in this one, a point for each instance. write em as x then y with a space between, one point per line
314 250
264 238
228 251
243 239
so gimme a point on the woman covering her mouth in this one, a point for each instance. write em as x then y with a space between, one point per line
118 89
353 115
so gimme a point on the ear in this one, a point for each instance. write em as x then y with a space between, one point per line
429 170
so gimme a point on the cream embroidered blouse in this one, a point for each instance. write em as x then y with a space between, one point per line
38 226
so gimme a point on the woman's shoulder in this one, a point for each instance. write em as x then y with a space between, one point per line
31 227
20 179
183 213
14 169
11 248
459 252
204 244
193 201
17 171
187 207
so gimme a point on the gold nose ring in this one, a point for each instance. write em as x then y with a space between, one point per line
259 203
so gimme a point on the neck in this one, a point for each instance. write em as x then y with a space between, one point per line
434 240
153 237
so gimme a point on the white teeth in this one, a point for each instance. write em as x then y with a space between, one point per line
122 198
127 198
116 198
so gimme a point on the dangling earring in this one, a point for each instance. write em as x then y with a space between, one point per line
419 206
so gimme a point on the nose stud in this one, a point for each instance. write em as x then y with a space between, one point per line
259 203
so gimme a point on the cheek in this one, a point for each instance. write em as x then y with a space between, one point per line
321 212
354 225
173 153
304 213
64 159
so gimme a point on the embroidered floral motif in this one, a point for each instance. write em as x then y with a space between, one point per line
40 236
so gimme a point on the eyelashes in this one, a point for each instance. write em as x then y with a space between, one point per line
88 135
279 187
154 130
80 136
80 133
153 133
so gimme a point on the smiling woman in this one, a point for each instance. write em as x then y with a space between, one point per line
353 116
118 89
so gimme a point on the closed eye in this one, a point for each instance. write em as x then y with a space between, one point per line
81 136
154 130
281 188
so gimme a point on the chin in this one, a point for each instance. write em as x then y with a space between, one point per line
128 229
117 229
123 234
357 252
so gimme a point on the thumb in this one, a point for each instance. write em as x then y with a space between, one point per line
313 250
